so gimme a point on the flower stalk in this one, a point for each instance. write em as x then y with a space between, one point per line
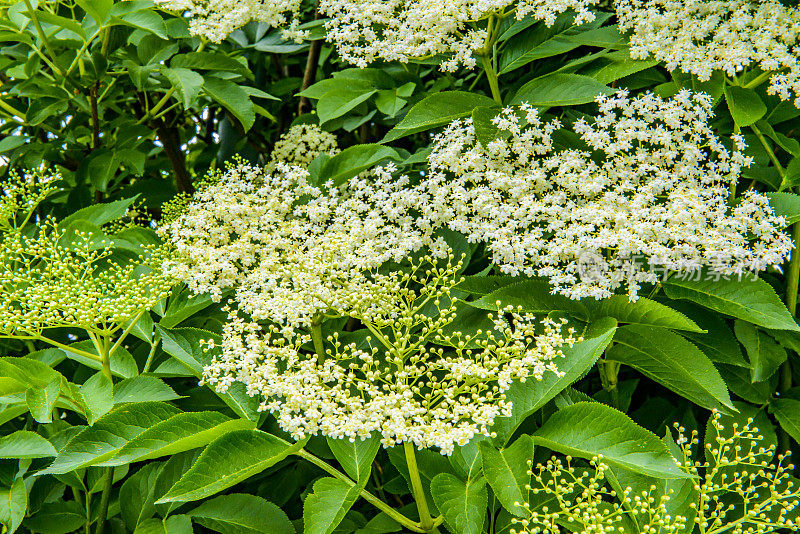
425 519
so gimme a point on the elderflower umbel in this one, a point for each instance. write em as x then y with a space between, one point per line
702 36
392 30
74 276
656 200
282 243
215 19
736 488
400 30
406 379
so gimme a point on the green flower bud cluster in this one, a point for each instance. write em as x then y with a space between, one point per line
737 488
71 275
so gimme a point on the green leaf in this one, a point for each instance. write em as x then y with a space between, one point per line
40 401
102 167
122 363
533 296
13 505
765 355
241 514
97 394
322 87
143 389
137 495
183 344
560 90
463 504
353 160
435 110
182 306
181 432
187 81
543 41
785 205
25 444
589 429
642 312
485 130
108 435
145 20
527 397
228 460
673 362
324 509
750 298
233 98
745 105
506 470
718 342
337 102
11 142
787 412
98 9
355 457
100 214
208 61
57 518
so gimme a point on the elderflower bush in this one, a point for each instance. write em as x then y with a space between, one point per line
416 284
736 488
657 197
730 36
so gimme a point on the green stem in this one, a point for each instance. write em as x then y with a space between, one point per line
66 347
425 519
104 498
491 75
370 498
316 337
125 333
43 37
792 283
150 355
758 80
611 370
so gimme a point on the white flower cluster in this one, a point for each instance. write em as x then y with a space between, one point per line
284 245
301 144
653 184
392 30
392 382
737 488
703 36
292 254
216 19
399 30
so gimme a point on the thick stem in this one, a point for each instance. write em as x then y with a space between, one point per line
105 359
491 75
104 498
170 139
310 73
370 498
792 278
425 519
792 283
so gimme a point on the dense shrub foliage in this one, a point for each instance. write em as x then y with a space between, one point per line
374 266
